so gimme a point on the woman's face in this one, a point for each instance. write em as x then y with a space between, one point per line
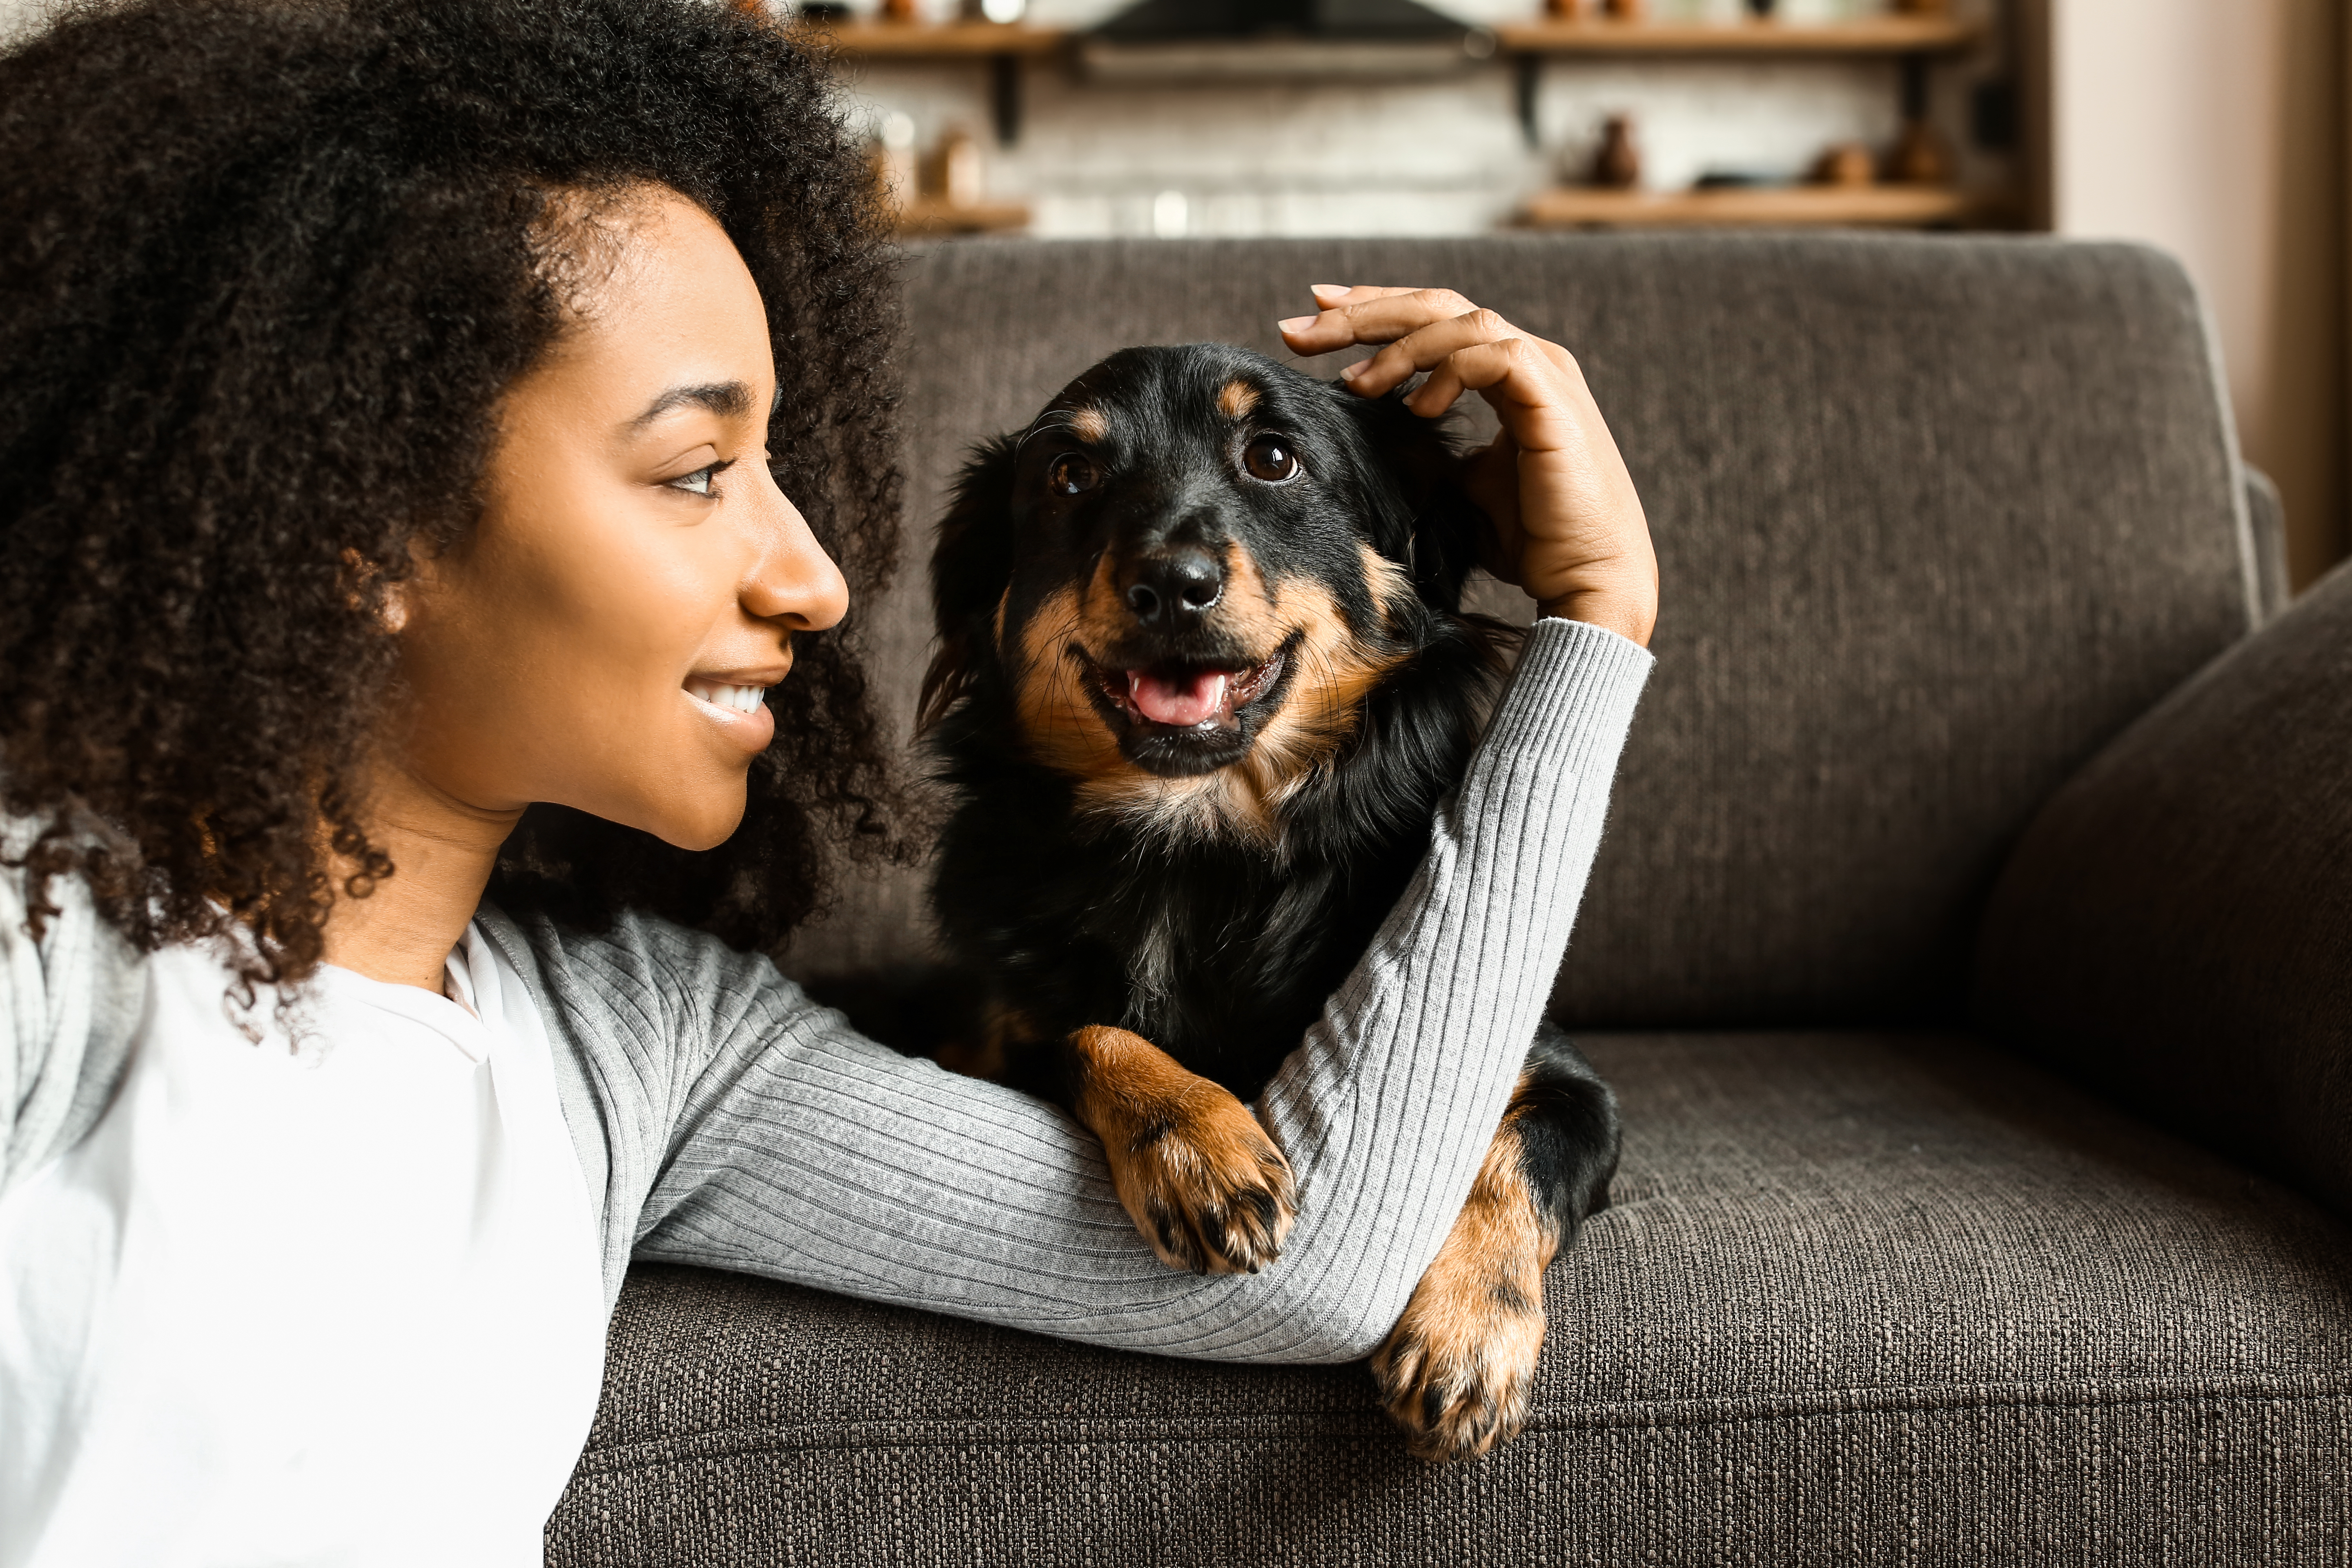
602 639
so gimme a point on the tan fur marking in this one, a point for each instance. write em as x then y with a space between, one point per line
1456 1371
1058 722
1196 1173
1089 423
1237 399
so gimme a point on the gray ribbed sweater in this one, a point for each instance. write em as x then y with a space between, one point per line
724 1119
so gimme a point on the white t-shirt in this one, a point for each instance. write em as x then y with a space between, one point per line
328 1297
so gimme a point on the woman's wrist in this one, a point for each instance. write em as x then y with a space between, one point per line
1630 616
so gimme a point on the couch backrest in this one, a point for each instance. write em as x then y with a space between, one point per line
1935 518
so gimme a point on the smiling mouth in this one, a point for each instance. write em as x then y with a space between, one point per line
734 699
1197 698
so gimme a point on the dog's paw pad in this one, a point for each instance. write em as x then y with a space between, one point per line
1455 1372
1206 1186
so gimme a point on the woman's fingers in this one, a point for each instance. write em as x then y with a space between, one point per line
1368 315
1420 327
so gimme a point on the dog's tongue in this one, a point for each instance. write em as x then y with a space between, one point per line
1187 698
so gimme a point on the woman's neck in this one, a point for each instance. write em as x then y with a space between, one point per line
443 851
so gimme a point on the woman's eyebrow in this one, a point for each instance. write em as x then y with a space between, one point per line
728 399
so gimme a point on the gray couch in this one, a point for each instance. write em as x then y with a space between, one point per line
1972 949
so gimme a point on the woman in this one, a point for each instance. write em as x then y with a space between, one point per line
443 438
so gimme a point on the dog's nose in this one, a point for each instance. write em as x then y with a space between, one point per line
1168 587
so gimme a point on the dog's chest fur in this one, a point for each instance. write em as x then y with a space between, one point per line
1220 953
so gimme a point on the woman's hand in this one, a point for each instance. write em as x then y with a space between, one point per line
1568 528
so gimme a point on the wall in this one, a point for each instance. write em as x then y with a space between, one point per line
2215 129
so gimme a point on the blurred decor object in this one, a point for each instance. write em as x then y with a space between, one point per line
1567 10
1617 166
832 13
1761 9
891 155
1627 10
901 11
1003 13
957 178
1849 163
1919 158
1924 8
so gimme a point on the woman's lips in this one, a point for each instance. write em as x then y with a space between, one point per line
740 712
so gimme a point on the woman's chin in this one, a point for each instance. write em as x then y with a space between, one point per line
696 825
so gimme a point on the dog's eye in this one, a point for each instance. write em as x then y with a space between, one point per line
1269 458
1072 475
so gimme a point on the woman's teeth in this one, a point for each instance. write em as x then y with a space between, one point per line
741 698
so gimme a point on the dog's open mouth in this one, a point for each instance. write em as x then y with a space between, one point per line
1189 697
1184 717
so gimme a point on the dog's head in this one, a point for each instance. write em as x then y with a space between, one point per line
1189 573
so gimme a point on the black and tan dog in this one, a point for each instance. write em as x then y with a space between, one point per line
1201 681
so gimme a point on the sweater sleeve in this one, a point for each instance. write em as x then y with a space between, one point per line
69 1002
799 1150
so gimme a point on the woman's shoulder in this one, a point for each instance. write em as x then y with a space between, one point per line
640 972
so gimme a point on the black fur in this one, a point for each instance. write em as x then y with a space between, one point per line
1221 951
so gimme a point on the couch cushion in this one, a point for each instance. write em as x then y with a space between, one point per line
2176 930
1935 519
1862 1299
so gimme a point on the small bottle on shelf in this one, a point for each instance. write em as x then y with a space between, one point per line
1617 166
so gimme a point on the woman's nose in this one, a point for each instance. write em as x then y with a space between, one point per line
794 580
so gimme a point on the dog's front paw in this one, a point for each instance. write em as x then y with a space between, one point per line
1206 1186
1456 1370
1199 1177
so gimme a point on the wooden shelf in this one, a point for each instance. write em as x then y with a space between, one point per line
945 41
1865 35
1779 206
925 217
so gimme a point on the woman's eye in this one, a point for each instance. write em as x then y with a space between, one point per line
697 483
1072 475
1269 458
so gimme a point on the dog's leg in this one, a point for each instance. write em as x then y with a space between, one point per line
1200 1179
1455 1372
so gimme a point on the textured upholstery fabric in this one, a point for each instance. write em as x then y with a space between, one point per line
1863 1298
1935 519
2177 927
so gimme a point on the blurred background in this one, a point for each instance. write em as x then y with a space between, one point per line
2215 129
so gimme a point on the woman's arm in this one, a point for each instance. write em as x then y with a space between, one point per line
799 1150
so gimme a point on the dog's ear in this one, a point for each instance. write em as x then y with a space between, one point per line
1443 526
971 565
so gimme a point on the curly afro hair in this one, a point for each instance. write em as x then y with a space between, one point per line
268 268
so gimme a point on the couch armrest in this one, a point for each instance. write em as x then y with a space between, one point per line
2267 515
2175 928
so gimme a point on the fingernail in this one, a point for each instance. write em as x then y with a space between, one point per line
1296 323
1326 287
1350 372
